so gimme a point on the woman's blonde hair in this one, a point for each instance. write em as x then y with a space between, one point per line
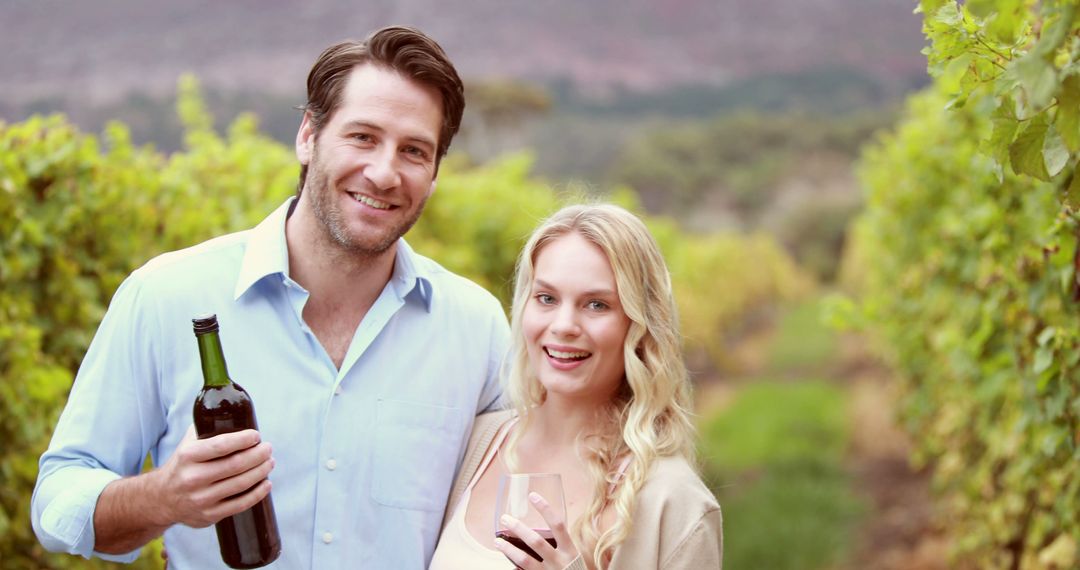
649 416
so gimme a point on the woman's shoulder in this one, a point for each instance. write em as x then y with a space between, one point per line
676 523
486 426
673 482
494 419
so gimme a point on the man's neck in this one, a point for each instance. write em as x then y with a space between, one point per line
327 270
342 285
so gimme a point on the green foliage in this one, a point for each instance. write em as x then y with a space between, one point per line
743 155
720 279
965 259
788 175
775 460
79 212
803 344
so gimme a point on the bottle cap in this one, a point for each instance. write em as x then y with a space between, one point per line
205 323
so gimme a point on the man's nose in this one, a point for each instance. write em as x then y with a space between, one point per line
382 170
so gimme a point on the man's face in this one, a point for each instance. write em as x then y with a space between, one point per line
372 166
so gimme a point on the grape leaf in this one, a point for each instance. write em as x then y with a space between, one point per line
1072 194
1038 78
1068 113
1026 152
1055 155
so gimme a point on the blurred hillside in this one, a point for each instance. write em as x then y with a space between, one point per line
100 52
743 115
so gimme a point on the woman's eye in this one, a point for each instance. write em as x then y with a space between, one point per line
598 305
545 299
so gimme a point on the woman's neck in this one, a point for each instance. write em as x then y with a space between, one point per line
559 424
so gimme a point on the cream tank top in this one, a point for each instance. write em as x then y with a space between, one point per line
458 549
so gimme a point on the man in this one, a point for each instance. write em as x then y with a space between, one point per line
366 361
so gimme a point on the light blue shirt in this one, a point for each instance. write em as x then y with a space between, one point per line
365 455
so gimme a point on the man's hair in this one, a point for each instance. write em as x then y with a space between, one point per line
404 50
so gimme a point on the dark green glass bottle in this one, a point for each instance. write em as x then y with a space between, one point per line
249 539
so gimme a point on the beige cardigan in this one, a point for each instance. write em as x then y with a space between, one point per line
676 525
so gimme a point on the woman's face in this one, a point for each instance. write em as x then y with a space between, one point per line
574 324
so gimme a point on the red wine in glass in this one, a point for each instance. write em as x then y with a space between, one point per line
546 534
513 500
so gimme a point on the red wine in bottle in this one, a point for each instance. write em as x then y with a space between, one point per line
249 539
546 534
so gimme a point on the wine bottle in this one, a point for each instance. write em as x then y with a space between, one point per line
248 539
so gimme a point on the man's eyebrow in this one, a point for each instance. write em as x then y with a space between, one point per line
361 124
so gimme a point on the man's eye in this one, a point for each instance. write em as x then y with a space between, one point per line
416 152
363 137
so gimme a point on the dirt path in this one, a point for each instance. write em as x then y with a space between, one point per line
899 531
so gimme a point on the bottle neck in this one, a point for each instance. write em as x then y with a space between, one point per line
214 370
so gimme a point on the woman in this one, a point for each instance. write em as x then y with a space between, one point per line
600 396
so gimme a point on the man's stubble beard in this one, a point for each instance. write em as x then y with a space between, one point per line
326 210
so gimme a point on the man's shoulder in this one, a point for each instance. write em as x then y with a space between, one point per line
454 286
203 262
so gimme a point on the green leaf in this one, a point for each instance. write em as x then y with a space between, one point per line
1055 155
1044 357
1055 35
1072 194
1004 133
1046 335
1067 121
1026 152
1038 78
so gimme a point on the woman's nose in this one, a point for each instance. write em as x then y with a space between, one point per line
565 322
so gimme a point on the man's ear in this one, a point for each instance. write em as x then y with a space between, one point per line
305 140
431 190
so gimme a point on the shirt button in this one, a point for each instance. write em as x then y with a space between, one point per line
337 390
327 537
331 464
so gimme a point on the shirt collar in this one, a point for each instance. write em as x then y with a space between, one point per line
267 253
411 277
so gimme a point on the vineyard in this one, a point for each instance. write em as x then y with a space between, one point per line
958 282
967 261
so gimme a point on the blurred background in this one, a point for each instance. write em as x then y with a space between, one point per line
753 135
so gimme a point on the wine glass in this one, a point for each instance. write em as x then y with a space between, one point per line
513 500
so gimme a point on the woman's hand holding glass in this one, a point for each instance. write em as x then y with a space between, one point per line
530 525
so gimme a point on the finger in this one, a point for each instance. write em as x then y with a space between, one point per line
237 484
242 461
206 473
528 536
222 445
242 502
516 555
552 517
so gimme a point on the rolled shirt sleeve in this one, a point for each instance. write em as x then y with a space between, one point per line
63 511
105 431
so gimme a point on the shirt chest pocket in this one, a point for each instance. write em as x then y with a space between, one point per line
416 453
